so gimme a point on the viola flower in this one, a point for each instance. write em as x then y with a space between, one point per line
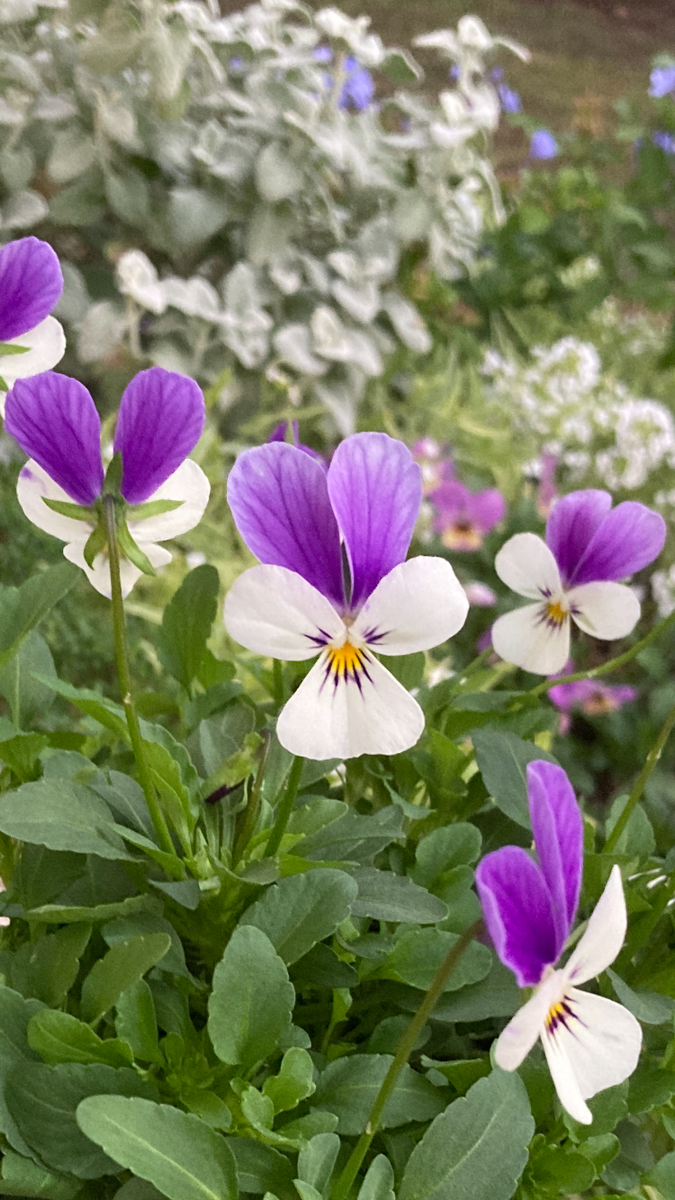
300 521
359 87
662 81
161 493
591 696
590 1043
31 283
480 595
547 492
464 518
574 575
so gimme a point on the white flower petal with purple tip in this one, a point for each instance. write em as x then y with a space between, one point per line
590 1043
31 283
54 420
574 576
293 514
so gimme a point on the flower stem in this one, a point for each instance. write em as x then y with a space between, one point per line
124 675
285 808
650 762
403 1050
253 806
612 664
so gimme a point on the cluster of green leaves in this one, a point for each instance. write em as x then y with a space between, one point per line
220 1019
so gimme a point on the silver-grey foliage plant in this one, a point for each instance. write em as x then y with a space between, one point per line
246 219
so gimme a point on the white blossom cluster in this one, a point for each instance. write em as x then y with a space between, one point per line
600 433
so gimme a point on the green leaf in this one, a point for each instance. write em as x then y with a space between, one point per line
478 1147
502 760
294 1081
348 1088
186 624
650 1007
48 967
444 849
62 816
316 1161
418 954
76 512
388 897
21 1177
302 910
43 1101
353 837
662 1176
59 1037
62 914
15 1013
497 995
21 609
124 963
378 1183
242 1029
92 704
136 1022
26 696
175 1151
260 1168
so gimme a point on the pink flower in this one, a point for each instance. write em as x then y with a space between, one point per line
590 696
480 595
547 492
434 463
464 517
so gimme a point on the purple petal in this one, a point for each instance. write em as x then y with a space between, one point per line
160 421
558 831
571 526
486 509
517 910
279 433
375 487
630 537
30 285
55 422
452 499
279 500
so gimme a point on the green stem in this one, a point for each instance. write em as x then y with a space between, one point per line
650 762
612 664
285 808
403 1051
124 675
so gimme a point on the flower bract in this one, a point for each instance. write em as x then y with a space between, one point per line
162 493
573 576
590 1043
31 282
300 521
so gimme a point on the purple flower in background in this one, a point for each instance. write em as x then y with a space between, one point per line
547 492
593 697
280 434
161 417
434 463
664 141
31 283
359 87
590 1043
480 595
323 54
510 100
302 522
574 575
543 144
662 81
463 518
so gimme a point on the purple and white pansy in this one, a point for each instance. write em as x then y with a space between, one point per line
464 518
574 575
31 282
303 523
590 1043
161 493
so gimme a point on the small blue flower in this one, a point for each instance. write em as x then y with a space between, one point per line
323 54
543 144
510 100
359 87
662 81
665 141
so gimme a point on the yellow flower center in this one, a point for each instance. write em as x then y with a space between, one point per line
344 660
555 613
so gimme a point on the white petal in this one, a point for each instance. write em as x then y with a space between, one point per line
527 566
605 610
47 346
34 485
416 606
597 1047
525 638
604 934
522 1031
99 575
189 484
276 612
328 720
